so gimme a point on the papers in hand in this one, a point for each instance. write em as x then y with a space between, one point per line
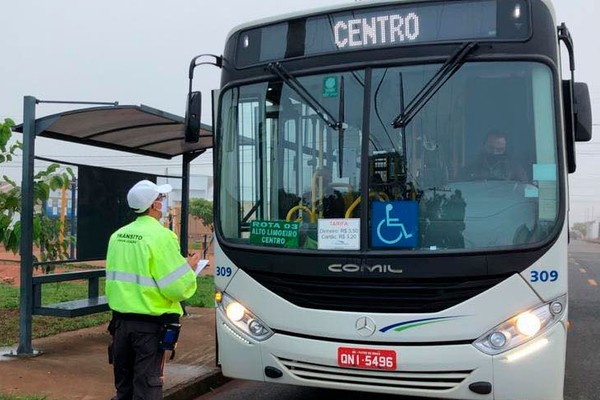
200 267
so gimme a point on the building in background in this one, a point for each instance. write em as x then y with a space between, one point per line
592 231
201 187
53 207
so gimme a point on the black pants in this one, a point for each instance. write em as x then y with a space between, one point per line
137 360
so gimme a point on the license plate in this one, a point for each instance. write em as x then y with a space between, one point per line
366 358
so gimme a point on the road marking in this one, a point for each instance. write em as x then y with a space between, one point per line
593 282
582 270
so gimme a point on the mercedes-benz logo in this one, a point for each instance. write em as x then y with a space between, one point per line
365 326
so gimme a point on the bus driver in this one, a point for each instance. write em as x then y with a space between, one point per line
494 162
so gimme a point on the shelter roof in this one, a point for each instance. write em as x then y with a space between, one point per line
134 129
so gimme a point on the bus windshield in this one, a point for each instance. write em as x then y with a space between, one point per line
475 168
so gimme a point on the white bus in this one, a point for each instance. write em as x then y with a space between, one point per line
391 198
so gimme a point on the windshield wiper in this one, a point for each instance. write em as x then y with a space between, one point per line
437 81
278 69
297 87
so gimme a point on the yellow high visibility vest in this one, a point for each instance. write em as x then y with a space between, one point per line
145 271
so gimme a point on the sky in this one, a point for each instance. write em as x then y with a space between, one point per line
138 52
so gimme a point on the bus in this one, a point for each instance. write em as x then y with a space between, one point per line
391 198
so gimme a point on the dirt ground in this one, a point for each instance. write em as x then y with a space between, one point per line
73 365
9 267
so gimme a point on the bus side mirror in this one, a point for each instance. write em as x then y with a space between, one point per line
192 117
582 110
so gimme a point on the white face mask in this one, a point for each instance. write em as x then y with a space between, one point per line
162 209
163 205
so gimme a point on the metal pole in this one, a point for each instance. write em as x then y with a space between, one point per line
26 291
73 220
185 199
100 103
185 202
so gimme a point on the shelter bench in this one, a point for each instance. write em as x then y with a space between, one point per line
74 308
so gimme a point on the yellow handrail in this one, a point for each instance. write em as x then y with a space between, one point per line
313 217
357 202
383 195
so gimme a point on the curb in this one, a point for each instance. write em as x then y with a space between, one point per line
196 387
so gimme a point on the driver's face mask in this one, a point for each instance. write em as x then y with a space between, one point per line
496 147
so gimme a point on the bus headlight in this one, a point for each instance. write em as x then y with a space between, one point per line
528 324
521 328
235 311
243 318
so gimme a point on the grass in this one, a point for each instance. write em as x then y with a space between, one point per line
11 397
43 326
205 294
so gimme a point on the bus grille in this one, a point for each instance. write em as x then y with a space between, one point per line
370 295
422 380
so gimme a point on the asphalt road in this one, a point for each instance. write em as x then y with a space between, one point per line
582 380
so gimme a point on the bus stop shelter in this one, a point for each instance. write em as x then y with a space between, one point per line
139 130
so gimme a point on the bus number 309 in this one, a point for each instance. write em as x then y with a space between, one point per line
223 271
544 276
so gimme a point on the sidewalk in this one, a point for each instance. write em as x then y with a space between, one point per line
73 365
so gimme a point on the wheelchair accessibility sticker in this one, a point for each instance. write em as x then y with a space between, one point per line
395 224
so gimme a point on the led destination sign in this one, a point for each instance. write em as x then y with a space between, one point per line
385 26
376 30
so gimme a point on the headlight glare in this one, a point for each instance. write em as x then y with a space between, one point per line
528 324
521 328
242 318
235 311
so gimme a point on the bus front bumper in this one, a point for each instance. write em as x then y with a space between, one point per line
532 371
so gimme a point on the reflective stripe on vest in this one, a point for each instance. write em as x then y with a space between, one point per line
148 281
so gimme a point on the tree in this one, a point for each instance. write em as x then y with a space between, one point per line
47 232
202 209
580 227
